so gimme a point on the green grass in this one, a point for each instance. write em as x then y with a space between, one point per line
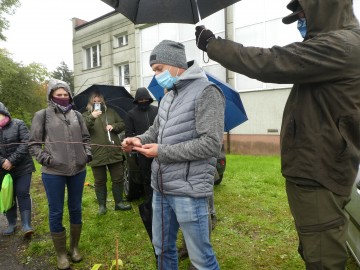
255 229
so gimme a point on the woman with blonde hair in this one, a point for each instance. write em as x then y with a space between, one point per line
104 125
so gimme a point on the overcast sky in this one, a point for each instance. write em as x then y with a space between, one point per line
41 30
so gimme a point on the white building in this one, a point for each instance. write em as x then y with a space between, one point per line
112 50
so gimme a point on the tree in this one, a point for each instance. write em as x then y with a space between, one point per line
38 72
63 73
6 7
22 88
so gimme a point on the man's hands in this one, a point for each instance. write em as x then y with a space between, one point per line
203 36
148 150
134 144
129 143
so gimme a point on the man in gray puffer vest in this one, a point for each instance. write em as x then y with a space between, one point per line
184 141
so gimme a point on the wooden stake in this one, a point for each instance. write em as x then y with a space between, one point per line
117 254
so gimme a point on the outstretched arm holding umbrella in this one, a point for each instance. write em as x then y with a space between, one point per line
319 144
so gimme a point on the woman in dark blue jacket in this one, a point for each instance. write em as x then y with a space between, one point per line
16 160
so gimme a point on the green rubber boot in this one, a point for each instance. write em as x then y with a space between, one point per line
101 194
117 189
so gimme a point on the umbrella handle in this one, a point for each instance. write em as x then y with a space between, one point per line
204 58
109 137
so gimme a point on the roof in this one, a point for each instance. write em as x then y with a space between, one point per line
95 20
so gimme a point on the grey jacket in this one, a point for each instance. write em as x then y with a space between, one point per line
58 141
320 134
189 130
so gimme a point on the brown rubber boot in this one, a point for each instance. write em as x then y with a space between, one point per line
75 232
59 240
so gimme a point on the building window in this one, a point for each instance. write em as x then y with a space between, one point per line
93 56
122 41
124 75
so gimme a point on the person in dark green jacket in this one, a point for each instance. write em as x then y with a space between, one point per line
320 133
104 125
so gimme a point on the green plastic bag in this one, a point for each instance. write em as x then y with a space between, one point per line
6 194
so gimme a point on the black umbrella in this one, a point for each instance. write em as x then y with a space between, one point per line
168 11
116 97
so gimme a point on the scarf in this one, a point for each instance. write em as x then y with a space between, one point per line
4 121
64 109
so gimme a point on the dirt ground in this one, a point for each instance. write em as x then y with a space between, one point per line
12 249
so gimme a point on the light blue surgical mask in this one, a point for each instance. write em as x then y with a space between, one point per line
301 26
165 80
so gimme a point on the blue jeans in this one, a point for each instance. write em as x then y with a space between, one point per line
22 191
191 214
55 193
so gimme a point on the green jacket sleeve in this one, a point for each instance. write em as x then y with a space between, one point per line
319 59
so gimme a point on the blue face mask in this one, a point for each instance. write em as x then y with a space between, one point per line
301 25
165 80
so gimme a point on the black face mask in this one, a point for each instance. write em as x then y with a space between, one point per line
144 106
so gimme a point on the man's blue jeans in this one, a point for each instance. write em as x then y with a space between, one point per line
191 214
55 193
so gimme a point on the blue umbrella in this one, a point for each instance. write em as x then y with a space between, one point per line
234 110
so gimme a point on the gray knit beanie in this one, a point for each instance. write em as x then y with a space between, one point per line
55 84
170 53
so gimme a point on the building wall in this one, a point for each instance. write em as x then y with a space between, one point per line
103 31
264 110
252 144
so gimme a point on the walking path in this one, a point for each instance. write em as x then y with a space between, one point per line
12 251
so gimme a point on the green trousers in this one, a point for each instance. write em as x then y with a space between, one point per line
116 173
321 223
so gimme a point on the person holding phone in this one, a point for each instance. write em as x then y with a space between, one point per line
104 125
